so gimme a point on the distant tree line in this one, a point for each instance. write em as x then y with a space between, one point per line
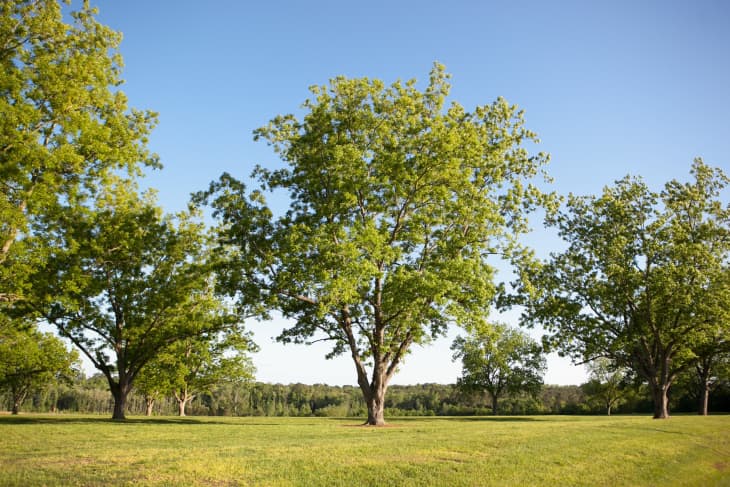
91 396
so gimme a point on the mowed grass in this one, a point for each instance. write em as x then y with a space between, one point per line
544 451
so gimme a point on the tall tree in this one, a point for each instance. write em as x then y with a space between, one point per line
125 282
499 360
64 123
635 283
31 360
396 203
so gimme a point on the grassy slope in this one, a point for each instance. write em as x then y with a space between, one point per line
631 451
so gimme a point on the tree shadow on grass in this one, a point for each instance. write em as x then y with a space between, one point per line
63 419
494 418
396 420
212 420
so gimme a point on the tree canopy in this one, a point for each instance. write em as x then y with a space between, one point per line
125 282
712 348
196 364
397 204
499 360
607 383
642 279
64 124
30 359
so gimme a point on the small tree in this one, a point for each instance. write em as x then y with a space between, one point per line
196 364
607 383
30 360
499 360
712 363
153 383
712 347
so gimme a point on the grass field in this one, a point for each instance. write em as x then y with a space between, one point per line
543 450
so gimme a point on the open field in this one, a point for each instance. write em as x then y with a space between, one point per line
544 450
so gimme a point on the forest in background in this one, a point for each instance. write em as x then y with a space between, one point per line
91 395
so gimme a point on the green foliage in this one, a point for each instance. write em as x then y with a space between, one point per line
153 383
91 395
64 123
30 360
396 203
607 384
712 346
125 282
642 278
196 364
499 360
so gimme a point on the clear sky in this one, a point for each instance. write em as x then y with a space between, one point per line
612 88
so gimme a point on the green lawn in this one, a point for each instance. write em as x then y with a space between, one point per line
541 450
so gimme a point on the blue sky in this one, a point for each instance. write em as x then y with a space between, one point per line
611 88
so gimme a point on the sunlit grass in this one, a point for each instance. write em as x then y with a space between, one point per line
558 450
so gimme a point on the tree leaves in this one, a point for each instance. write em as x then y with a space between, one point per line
643 276
499 360
30 359
64 125
396 203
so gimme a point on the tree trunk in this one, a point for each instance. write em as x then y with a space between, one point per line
704 398
149 405
18 398
374 394
704 372
608 409
120 391
661 400
495 404
183 398
384 364
376 408
120 405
